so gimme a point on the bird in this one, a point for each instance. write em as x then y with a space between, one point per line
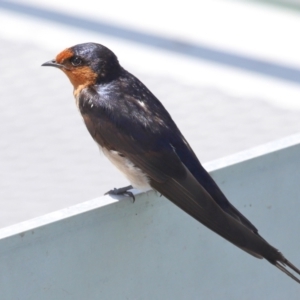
137 134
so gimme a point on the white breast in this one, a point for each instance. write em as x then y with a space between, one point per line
136 176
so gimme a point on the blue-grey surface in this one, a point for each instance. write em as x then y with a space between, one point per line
108 249
48 160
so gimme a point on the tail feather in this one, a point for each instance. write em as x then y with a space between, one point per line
193 199
289 264
281 266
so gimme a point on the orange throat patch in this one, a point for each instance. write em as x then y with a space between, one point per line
80 78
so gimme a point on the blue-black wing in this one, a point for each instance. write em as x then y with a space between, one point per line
152 142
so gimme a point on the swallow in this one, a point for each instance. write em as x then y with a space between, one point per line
138 135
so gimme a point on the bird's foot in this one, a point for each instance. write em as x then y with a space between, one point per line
122 191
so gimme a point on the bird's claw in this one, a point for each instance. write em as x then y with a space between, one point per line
122 191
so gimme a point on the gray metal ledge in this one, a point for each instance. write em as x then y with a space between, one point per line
113 249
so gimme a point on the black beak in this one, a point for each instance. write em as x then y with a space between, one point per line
52 63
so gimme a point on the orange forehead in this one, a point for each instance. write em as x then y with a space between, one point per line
62 56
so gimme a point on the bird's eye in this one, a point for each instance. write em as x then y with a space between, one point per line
76 61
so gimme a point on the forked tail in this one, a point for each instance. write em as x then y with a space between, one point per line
281 265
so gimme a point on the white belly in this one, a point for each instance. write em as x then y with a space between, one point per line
137 178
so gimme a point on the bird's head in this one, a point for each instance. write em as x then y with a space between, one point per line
87 64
